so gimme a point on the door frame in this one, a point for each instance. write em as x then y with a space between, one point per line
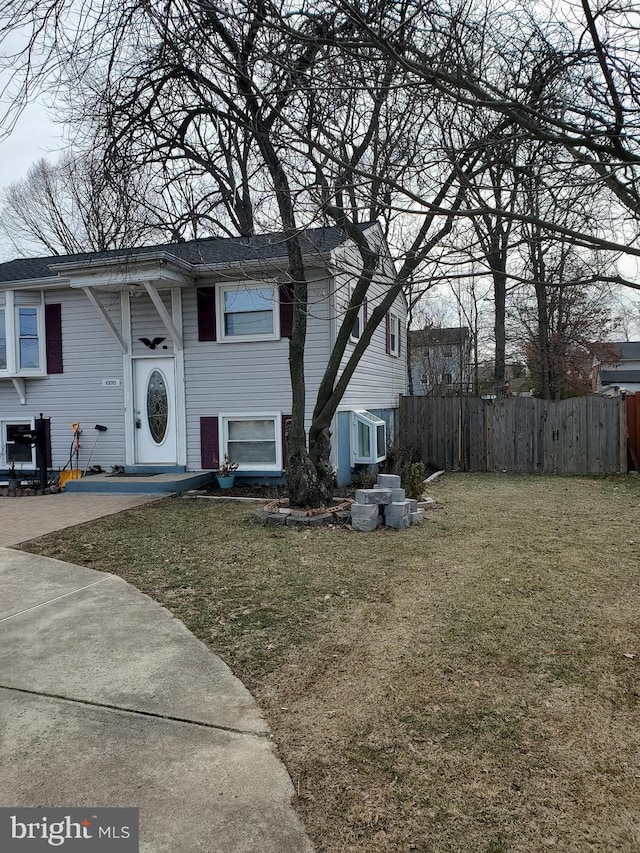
129 387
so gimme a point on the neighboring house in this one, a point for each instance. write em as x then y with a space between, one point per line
440 360
617 369
517 382
182 352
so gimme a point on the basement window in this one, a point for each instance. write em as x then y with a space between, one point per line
14 451
253 441
368 438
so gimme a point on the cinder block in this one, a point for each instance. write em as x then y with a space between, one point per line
365 512
373 496
413 505
271 519
296 520
389 481
416 517
400 509
397 522
321 520
397 495
367 525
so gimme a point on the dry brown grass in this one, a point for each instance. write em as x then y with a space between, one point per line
468 685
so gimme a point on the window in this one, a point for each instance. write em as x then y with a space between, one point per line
14 451
368 438
21 334
393 334
28 346
253 441
247 312
361 317
447 352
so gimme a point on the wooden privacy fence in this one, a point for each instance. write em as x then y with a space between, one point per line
582 435
633 431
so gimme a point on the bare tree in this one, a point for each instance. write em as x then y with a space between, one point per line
87 203
320 113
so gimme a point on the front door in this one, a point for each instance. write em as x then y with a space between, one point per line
155 411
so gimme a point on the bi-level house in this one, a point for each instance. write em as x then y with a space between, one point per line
182 352
440 360
616 368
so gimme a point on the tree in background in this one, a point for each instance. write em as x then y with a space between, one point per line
326 113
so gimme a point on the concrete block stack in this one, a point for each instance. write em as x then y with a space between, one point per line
384 505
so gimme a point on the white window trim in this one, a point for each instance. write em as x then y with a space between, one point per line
4 461
372 422
221 289
12 335
223 436
394 351
353 338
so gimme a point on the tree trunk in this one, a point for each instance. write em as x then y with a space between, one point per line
498 268
544 342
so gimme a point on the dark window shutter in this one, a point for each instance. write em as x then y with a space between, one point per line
206 313
47 435
53 337
399 338
286 310
286 420
209 446
388 333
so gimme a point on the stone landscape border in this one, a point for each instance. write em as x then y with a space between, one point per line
6 492
278 513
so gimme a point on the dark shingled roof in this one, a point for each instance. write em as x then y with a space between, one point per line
447 337
626 350
619 377
209 251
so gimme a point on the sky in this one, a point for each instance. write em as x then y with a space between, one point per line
34 136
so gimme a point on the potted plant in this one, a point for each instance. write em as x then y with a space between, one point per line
226 472
14 482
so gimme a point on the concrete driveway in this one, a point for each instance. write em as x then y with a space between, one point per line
107 700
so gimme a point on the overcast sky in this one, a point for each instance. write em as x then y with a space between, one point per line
34 136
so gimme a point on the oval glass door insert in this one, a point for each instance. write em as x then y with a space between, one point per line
157 406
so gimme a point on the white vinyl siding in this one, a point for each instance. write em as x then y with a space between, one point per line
379 378
90 355
146 324
248 376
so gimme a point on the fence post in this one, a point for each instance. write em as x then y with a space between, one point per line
623 434
489 416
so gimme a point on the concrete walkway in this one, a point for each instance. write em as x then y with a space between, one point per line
107 700
27 518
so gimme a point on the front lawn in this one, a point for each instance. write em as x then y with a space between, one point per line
467 685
